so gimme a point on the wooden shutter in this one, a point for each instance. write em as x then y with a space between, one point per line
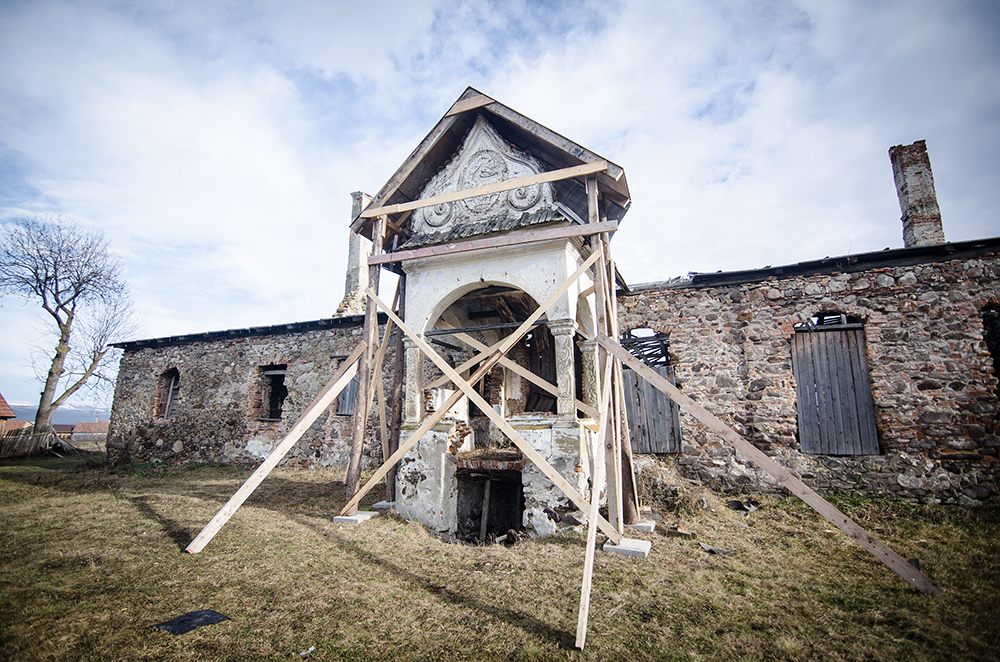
653 418
345 401
835 405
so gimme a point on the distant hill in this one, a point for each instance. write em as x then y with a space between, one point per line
65 415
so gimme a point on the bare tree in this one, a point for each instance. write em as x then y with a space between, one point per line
78 281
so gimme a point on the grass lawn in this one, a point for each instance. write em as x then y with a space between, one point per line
92 557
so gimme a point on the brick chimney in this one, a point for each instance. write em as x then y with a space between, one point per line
357 263
911 168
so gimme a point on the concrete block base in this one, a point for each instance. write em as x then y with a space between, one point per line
362 516
646 527
630 547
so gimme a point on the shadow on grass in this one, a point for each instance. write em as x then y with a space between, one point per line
565 640
179 534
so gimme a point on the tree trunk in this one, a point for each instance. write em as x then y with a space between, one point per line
43 417
396 395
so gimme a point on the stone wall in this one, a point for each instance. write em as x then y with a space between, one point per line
931 374
219 415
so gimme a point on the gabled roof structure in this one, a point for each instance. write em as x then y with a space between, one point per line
553 151
5 410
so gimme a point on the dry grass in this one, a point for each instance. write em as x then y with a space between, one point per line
91 558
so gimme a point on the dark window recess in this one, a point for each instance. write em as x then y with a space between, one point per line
273 391
169 393
542 361
345 401
991 333
654 420
833 388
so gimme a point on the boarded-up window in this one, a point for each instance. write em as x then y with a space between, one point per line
653 419
345 401
835 406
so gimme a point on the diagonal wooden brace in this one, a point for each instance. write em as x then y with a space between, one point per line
891 559
323 400
522 445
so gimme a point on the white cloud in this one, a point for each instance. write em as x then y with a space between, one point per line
217 143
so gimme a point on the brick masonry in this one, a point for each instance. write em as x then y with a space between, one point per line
931 374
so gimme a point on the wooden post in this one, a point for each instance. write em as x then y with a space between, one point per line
598 481
613 461
326 396
891 559
370 335
396 396
474 397
485 519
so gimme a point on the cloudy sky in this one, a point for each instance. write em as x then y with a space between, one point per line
217 143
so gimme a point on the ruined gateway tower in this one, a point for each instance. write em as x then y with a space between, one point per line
463 300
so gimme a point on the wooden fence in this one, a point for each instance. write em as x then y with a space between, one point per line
21 444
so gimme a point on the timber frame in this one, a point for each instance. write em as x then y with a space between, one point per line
604 187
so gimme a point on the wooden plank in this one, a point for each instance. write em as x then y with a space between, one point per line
396 395
824 396
319 404
376 385
613 179
512 366
464 105
852 425
640 440
406 169
502 348
427 424
509 239
841 395
485 519
805 392
475 329
893 561
466 387
583 614
866 409
361 404
498 187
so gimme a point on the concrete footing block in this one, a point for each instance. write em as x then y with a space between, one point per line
630 547
384 505
362 516
647 526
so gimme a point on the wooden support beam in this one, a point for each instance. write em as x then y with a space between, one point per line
361 404
499 187
376 389
466 387
510 365
319 404
598 481
891 559
509 239
469 104
484 521
397 394
424 428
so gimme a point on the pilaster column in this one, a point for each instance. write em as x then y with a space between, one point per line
562 334
591 392
413 411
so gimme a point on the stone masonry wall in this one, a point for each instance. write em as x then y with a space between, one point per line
218 416
931 376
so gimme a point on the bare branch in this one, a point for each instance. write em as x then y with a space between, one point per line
78 281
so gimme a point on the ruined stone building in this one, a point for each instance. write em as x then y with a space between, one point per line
868 374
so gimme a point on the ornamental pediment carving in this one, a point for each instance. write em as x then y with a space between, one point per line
484 158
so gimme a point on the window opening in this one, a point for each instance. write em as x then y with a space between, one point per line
833 389
654 419
991 333
168 394
273 391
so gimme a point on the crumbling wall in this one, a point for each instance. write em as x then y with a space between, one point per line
219 416
931 376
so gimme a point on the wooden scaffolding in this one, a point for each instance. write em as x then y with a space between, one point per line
603 183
